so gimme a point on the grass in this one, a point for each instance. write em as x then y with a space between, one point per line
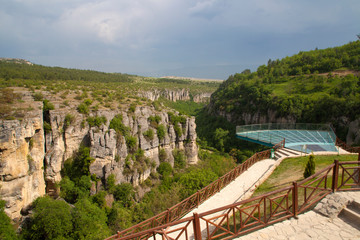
292 169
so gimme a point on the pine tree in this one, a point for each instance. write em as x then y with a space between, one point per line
310 167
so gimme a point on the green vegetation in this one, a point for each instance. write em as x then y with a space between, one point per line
161 131
56 219
294 87
117 124
179 159
69 119
310 167
149 134
96 121
189 108
281 178
48 106
7 231
53 219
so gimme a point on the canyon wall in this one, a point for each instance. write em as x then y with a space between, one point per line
22 150
175 95
31 160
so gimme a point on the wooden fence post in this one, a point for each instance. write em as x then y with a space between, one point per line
198 199
358 171
335 176
196 225
295 199
168 216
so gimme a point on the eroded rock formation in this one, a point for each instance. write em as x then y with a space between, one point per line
22 150
31 160
175 95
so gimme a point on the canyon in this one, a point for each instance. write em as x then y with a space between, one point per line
32 156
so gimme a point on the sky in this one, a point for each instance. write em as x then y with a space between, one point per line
189 38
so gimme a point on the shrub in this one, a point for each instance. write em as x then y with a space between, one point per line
87 214
117 124
310 167
179 159
160 130
51 220
7 231
154 120
96 121
174 119
69 119
88 102
48 105
110 182
83 108
132 107
162 155
124 193
178 130
165 169
38 96
149 134
196 180
131 143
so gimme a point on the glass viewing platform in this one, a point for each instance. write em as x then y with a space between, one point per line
302 137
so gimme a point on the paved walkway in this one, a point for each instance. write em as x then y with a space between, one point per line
310 225
243 187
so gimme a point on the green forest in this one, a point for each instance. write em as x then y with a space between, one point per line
319 86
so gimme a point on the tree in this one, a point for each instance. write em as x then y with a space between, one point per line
89 221
51 220
310 167
124 193
220 137
7 231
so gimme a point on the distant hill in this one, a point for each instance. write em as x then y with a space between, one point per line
319 86
15 60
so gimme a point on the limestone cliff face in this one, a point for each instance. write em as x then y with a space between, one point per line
254 118
174 95
31 160
111 153
22 152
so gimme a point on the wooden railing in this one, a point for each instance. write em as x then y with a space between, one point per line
245 216
346 147
181 209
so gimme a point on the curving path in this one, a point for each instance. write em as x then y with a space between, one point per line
243 187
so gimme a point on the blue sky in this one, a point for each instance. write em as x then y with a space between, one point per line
191 38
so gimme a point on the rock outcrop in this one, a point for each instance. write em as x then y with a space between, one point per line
175 95
31 159
22 150
109 148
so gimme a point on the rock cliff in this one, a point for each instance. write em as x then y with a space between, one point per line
22 150
31 159
175 95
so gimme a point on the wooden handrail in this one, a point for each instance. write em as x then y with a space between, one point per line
274 216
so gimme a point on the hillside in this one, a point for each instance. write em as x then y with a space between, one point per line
107 146
319 86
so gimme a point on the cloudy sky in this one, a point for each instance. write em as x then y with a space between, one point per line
192 38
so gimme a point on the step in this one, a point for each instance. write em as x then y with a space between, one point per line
349 215
281 151
278 155
294 152
354 206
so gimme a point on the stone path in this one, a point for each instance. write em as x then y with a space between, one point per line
244 186
311 225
